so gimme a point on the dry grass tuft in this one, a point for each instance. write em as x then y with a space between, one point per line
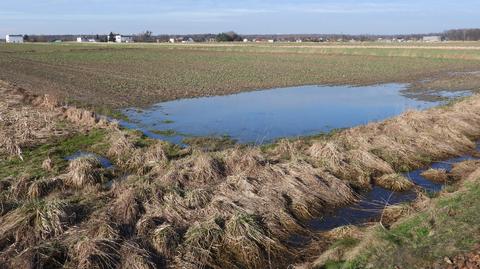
126 208
47 101
97 253
394 182
165 240
244 161
393 213
197 198
249 243
120 146
156 154
41 188
342 232
207 169
47 165
463 169
436 175
46 255
84 171
81 116
9 146
135 257
202 243
20 186
42 219
102 226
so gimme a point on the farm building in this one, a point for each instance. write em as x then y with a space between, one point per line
434 38
81 39
188 40
172 40
14 38
123 39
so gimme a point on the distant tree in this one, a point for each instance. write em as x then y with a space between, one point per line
228 37
463 34
144 37
26 38
111 37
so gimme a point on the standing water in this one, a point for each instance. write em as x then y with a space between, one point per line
262 116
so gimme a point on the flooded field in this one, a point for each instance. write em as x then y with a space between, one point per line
262 116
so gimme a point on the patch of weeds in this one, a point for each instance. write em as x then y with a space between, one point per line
57 150
323 136
112 113
268 147
403 232
341 265
167 121
174 151
210 143
168 132
348 242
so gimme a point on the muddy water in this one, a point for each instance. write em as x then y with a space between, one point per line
372 203
262 116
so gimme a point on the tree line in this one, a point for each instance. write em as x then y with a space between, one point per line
148 36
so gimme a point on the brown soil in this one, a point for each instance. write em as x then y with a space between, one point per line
126 77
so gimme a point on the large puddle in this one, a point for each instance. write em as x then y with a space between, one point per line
262 116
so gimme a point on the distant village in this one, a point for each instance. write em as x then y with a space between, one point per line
147 36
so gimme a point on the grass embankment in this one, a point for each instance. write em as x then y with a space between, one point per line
111 76
449 226
165 206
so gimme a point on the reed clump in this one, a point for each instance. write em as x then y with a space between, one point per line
165 240
97 253
43 187
84 171
35 220
394 182
46 255
436 175
203 242
197 198
462 169
250 244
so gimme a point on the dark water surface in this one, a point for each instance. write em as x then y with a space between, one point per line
262 116
371 204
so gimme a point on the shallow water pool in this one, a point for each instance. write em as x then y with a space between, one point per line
262 116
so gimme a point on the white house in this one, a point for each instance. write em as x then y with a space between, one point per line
123 39
80 39
189 40
172 40
245 40
14 38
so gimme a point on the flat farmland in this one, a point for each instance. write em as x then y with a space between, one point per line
115 76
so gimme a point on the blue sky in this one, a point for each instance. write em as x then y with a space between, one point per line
247 16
